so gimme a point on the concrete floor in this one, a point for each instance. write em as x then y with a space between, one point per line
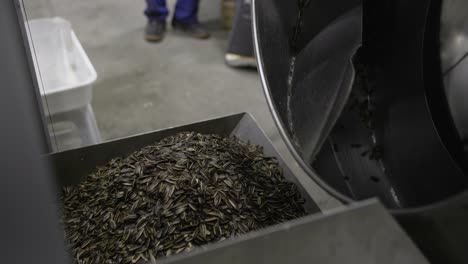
143 86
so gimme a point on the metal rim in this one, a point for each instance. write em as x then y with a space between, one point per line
283 132
277 120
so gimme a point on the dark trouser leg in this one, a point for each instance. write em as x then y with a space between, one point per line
156 10
186 11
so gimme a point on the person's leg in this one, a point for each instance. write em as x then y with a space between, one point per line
186 11
185 19
156 11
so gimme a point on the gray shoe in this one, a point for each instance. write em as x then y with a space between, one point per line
237 60
193 30
154 30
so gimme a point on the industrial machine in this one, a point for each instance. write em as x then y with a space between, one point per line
369 97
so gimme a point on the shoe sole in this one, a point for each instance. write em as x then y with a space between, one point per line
204 36
236 60
184 33
153 38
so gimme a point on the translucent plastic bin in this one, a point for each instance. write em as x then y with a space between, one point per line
65 76
63 69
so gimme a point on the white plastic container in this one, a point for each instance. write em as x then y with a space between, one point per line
64 71
65 76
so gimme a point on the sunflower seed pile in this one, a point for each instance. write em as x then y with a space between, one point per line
184 191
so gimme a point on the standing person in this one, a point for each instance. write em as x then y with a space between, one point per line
184 20
240 51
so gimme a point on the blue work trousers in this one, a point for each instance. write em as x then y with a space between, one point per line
185 10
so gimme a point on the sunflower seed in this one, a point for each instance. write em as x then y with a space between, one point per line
166 198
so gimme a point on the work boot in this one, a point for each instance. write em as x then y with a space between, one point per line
154 30
194 30
238 60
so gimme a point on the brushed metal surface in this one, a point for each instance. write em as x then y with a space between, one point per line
364 233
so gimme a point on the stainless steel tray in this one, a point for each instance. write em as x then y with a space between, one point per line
344 235
71 167
348 235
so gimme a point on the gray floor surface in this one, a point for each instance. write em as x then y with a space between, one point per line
145 86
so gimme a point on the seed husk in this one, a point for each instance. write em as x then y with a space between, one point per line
181 192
